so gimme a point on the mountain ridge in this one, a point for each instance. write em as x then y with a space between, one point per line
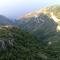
49 11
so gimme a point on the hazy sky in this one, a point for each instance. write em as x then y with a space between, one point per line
15 8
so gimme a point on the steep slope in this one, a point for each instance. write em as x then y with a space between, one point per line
35 23
43 20
16 44
53 12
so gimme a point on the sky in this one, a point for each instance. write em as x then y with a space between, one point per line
14 8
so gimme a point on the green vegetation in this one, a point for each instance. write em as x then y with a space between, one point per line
16 44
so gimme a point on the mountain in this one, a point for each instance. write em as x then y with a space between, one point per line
43 20
4 21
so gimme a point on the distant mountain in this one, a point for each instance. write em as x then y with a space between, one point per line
5 21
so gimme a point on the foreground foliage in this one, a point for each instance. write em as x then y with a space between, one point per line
16 44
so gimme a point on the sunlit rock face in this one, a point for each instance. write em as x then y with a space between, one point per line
56 20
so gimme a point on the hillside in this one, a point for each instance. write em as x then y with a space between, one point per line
42 20
16 44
